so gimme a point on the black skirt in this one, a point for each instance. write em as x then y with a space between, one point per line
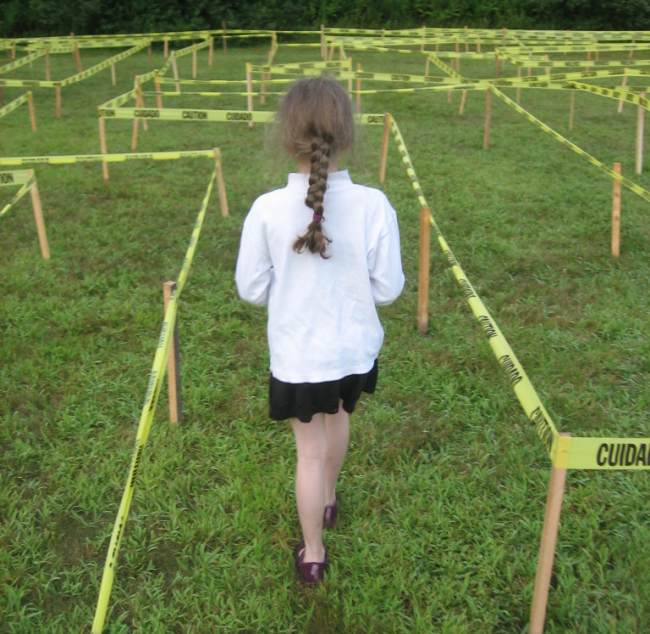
303 400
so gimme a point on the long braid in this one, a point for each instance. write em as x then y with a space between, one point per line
315 239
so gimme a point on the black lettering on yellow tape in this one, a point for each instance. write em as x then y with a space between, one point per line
399 77
468 291
542 427
375 118
136 465
239 116
194 114
6 177
490 331
509 366
144 113
621 454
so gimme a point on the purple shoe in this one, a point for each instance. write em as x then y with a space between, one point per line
310 572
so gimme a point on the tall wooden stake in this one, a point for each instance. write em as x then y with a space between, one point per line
48 74
547 549
616 213
173 363
113 77
102 146
383 157
423 272
156 83
488 119
139 100
194 62
210 51
32 112
175 72
463 99
40 224
249 91
623 87
166 48
358 89
57 100
221 184
640 122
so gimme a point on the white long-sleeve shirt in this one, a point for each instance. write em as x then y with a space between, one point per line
322 321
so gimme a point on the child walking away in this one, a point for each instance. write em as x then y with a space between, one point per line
321 252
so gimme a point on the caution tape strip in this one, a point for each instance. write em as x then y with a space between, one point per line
227 116
564 63
265 68
613 93
70 159
567 452
28 59
586 74
70 45
445 68
521 385
631 185
17 196
220 82
146 417
13 178
15 103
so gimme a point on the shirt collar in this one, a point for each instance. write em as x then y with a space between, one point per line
335 180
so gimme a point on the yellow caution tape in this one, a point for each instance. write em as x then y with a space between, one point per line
613 93
565 63
631 185
28 59
108 158
26 187
16 103
445 68
504 354
146 418
14 178
608 453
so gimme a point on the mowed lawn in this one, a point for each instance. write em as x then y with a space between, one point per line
444 487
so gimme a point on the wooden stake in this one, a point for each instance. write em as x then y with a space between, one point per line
221 185
76 54
423 271
497 65
57 100
134 133
349 60
175 72
463 99
194 62
518 94
113 77
547 549
323 44
32 112
616 213
249 90
623 87
264 87
640 122
156 83
488 119
383 157
173 362
48 75
165 48
40 224
210 51
572 108
139 102
358 89
102 146
149 52
224 37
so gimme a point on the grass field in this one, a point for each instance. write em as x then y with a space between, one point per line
444 487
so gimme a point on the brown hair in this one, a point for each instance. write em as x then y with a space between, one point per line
316 122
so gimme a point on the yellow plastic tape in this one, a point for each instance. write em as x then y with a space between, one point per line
12 105
109 158
631 185
608 453
146 418
28 59
17 196
521 384
14 178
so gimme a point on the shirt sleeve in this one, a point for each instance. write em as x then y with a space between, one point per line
386 274
254 269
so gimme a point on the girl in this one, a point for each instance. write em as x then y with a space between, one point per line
321 252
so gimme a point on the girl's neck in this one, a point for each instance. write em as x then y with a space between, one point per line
305 167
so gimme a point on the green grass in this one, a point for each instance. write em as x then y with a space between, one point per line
444 486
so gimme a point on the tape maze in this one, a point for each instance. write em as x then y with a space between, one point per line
535 60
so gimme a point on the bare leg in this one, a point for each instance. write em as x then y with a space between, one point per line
310 469
337 431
